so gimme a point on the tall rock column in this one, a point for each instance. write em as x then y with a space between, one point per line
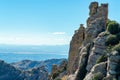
75 43
96 22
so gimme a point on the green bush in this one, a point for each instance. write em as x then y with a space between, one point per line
111 40
106 33
113 27
102 58
118 36
98 76
116 47
55 74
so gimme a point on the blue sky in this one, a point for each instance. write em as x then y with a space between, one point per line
45 22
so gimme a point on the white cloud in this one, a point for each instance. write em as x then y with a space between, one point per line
58 33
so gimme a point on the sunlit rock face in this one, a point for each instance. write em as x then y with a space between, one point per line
84 52
75 43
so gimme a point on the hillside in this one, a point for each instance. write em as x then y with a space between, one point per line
29 64
27 69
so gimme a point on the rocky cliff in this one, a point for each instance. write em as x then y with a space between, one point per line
95 49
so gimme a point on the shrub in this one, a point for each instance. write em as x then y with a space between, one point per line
118 36
106 33
116 47
111 40
102 58
97 76
55 74
113 27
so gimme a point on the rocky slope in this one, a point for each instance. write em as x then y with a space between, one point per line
8 72
95 50
29 70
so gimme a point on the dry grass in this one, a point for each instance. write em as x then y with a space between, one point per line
64 77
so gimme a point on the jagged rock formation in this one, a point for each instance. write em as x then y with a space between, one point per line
113 65
58 71
75 43
82 58
88 54
97 50
98 69
96 22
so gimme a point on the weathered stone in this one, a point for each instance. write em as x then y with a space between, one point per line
54 68
84 54
93 8
75 43
58 71
81 58
98 68
97 50
97 26
71 77
114 64
97 12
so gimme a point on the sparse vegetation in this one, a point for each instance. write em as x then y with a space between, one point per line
116 47
97 76
102 58
118 36
113 27
111 40
55 74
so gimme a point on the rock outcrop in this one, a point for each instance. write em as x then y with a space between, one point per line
94 54
114 65
84 58
58 71
97 20
96 23
99 70
75 43
95 50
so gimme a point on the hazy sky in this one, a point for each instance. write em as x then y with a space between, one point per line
45 22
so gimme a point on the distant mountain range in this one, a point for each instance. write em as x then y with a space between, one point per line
29 64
